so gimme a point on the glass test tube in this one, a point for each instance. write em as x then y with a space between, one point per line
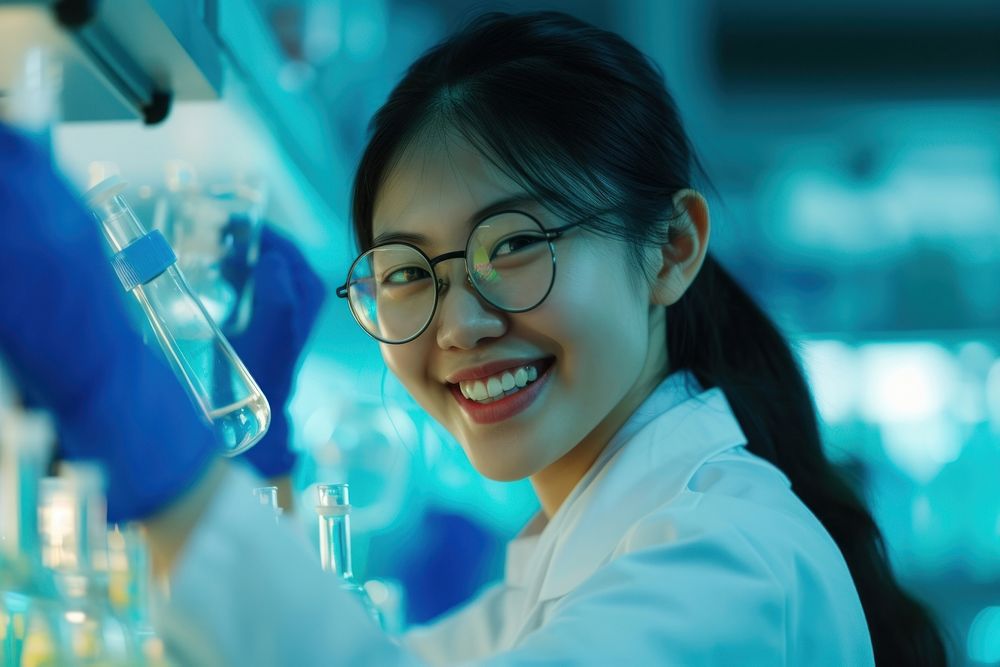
267 496
199 354
334 509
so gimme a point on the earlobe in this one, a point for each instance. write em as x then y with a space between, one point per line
681 257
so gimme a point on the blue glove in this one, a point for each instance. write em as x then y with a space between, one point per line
66 338
287 298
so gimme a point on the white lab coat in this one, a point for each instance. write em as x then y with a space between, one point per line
679 547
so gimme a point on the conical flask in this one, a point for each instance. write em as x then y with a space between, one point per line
200 355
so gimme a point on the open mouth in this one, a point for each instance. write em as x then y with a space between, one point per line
503 384
502 404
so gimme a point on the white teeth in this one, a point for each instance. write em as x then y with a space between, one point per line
498 386
479 392
507 381
494 386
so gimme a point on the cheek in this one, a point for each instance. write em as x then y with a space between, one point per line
406 363
594 315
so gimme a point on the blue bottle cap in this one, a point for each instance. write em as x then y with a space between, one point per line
143 260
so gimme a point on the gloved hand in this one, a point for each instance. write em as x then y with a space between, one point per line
65 337
287 298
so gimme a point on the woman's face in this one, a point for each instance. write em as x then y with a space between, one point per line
602 342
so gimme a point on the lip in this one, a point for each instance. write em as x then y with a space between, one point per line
506 407
493 368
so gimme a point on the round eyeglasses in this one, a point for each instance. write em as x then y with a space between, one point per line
393 289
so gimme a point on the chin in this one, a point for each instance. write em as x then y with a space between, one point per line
504 470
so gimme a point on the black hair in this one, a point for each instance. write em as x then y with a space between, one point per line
583 121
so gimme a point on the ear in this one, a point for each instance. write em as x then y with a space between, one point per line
680 259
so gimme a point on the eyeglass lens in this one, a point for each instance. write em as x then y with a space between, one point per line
392 289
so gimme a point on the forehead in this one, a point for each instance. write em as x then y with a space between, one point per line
436 189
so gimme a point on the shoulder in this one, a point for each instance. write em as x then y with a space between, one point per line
739 495
686 586
738 530
743 501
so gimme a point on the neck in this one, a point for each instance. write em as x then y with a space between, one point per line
554 484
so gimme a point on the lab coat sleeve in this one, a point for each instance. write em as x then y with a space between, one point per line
705 599
249 592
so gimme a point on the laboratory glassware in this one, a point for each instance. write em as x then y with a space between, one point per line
199 354
130 589
33 102
267 496
31 627
215 232
334 512
73 530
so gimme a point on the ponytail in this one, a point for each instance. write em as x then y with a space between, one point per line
725 339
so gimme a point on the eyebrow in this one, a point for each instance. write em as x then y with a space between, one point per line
513 201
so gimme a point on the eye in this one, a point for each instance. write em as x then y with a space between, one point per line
405 275
512 244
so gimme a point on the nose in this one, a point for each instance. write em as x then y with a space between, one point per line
463 318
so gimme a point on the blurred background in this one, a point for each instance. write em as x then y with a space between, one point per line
854 151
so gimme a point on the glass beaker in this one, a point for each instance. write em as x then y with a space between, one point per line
199 354
216 235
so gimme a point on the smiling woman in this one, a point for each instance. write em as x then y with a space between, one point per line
577 123
554 432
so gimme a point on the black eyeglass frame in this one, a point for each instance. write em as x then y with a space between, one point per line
550 235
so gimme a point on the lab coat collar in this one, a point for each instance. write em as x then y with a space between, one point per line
647 463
